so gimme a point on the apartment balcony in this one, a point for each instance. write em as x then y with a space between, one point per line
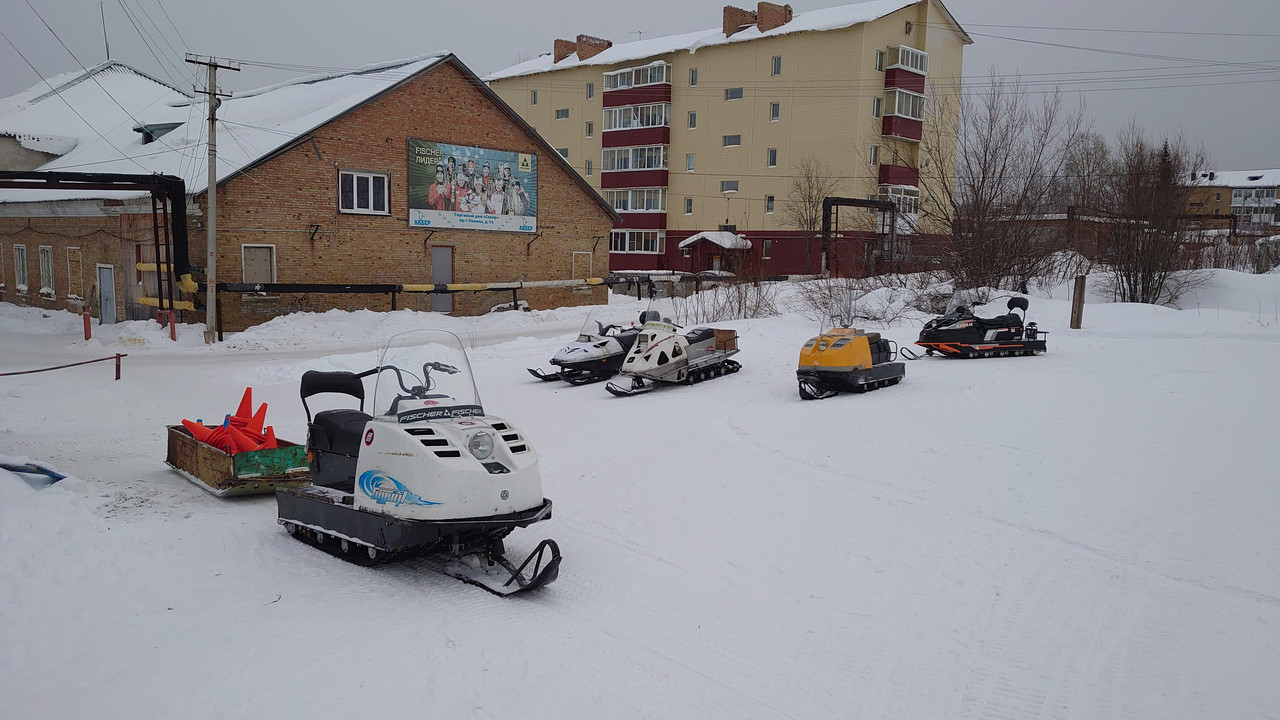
902 128
899 175
635 137
618 179
643 95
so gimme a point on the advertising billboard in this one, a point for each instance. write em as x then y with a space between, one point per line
458 186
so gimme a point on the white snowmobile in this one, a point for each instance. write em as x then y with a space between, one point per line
596 355
662 354
428 473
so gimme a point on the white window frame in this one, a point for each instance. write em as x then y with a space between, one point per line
906 57
693 119
731 140
734 93
562 113
771 157
873 156
877 107
243 246
775 112
768 206
693 77
904 104
637 199
533 97
879 62
728 186
766 248
590 169
775 66
638 242
20 269
591 129
689 162
657 73
46 272
688 206
646 157
355 181
629 117
591 90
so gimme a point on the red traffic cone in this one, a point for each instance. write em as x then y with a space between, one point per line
246 405
269 443
198 431
239 442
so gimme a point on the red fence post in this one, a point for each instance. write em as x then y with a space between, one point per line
117 366
87 332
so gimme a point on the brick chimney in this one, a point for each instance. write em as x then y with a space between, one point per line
770 16
589 46
736 19
564 48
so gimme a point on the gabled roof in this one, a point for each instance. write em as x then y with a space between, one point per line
814 20
1240 179
723 238
101 116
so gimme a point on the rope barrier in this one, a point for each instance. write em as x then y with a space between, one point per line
115 357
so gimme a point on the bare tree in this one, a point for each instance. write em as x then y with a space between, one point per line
811 182
989 161
1152 247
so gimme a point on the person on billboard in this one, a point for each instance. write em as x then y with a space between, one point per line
451 171
497 197
519 200
439 191
486 178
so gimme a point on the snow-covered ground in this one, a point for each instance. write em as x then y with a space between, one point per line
1090 533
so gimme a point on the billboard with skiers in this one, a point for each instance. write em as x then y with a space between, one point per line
458 186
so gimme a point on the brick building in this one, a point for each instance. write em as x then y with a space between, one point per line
696 134
324 180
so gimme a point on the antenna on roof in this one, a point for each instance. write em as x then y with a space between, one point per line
103 14
639 34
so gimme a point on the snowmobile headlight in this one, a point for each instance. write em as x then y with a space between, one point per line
481 445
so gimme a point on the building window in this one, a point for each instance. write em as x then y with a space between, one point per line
693 119
732 140
637 241
733 93
775 112
909 58
1219 196
640 200
906 198
258 263
591 129
652 157
771 157
637 116
875 106
688 206
533 97
873 157
688 162
904 104
591 90
20 269
564 152
655 74
728 186
362 192
693 77
768 204
562 114
880 60
766 251
589 169
46 271
776 68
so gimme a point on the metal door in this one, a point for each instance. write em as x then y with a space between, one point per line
441 274
106 295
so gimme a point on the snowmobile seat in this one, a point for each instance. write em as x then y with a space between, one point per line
315 382
338 431
1010 320
699 334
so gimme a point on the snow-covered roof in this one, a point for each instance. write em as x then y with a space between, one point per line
814 20
724 239
91 115
1240 178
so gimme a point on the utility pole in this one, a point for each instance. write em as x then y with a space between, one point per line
211 263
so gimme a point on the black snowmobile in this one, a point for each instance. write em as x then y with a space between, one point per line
960 333
594 356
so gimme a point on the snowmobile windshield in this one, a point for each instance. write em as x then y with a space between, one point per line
425 375
599 323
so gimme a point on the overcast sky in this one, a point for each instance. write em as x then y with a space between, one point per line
1210 71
